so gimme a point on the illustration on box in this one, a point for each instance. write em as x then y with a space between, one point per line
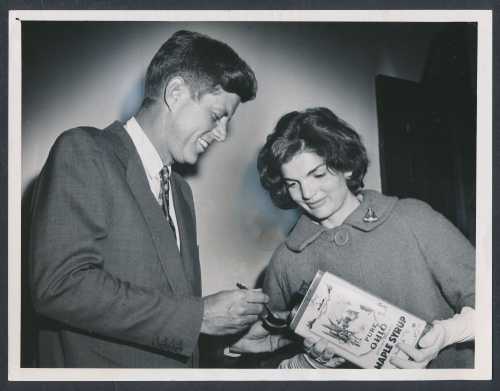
364 328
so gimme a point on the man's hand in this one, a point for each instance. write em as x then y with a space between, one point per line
430 345
259 340
229 312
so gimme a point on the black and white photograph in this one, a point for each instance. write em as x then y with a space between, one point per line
181 181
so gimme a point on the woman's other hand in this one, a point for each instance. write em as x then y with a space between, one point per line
429 347
458 329
322 352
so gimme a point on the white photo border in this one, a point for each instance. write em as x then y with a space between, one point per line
483 342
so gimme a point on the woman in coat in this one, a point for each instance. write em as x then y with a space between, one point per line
398 249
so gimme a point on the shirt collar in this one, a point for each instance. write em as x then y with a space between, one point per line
150 158
307 231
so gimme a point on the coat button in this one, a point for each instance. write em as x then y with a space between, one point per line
341 237
325 235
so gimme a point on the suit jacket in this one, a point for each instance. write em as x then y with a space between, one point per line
105 267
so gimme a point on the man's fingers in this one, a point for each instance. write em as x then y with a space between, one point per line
250 309
244 321
255 296
278 341
283 341
250 319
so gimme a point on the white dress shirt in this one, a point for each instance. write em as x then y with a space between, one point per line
152 164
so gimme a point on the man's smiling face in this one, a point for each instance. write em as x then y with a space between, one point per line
197 123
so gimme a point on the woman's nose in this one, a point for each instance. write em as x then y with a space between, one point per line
307 191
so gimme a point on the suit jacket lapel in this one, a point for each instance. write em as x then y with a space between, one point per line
185 222
163 239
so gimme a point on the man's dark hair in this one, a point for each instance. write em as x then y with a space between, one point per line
315 130
204 63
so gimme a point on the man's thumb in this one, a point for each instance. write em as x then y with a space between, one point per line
281 342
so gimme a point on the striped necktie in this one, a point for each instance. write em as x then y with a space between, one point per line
165 196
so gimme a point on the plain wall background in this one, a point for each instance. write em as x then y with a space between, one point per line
91 73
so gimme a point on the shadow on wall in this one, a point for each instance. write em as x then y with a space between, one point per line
132 100
131 103
264 226
28 316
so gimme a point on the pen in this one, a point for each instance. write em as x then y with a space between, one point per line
271 318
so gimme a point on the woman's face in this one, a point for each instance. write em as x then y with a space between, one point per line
319 191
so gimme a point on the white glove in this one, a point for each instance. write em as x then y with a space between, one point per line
459 328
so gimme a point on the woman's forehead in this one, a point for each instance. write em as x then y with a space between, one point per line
302 164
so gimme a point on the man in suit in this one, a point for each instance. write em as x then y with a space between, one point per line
114 255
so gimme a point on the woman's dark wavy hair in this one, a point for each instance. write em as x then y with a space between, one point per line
204 63
316 130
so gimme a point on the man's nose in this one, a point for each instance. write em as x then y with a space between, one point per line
220 132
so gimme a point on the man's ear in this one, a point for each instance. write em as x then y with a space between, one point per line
175 92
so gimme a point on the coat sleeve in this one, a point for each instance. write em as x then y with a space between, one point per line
275 283
70 223
448 253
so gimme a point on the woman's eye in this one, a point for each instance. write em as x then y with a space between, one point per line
290 185
319 174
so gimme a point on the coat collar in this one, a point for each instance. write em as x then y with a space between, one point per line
119 142
307 231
